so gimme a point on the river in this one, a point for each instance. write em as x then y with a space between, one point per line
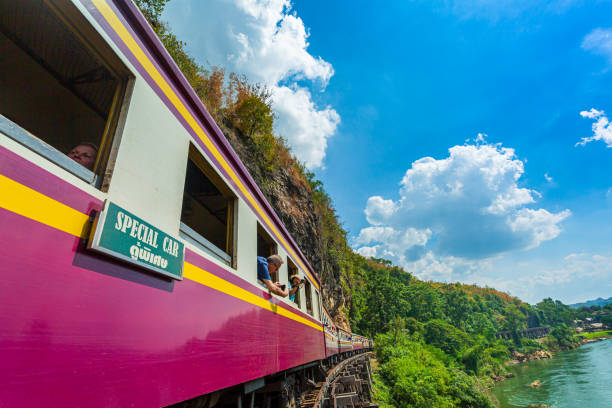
579 378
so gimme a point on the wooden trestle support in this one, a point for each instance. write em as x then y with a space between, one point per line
348 384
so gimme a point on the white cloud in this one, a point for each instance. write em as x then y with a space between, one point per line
379 209
602 130
392 244
271 44
453 214
305 126
573 273
548 178
591 114
268 42
599 41
540 224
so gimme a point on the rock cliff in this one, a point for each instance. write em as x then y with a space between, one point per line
292 199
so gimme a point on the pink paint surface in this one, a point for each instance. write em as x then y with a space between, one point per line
331 347
24 172
82 329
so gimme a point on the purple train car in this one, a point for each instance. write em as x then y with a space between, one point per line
129 228
331 335
345 342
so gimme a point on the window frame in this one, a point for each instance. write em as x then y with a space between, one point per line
94 43
317 304
308 297
292 269
263 233
198 240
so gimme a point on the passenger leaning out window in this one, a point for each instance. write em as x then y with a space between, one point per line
267 266
295 281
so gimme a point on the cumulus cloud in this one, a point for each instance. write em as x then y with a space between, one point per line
306 126
548 178
391 243
599 41
268 42
602 130
455 212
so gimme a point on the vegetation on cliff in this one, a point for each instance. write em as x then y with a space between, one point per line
435 343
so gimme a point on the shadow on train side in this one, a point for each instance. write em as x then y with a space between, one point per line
117 269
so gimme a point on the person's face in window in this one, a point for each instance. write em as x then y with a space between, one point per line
272 267
84 155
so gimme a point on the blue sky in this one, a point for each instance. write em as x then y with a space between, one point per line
445 131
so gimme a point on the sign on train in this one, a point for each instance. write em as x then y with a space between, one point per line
120 234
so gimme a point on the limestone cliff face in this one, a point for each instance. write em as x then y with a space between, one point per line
292 200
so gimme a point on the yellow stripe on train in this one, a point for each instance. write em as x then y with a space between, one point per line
22 200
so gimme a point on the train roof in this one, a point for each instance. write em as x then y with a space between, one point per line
149 40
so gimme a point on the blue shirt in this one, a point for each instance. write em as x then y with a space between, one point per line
262 269
291 297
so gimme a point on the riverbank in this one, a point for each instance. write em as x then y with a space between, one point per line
518 358
592 337
576 378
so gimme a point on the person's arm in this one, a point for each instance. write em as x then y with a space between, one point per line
274 288
293 290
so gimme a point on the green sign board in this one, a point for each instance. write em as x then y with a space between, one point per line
121 234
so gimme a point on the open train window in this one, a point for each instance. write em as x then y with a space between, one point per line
293 270
266 246
317 306
308 296
60 84
207 217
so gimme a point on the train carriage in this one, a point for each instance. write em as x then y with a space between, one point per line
130 281
331 334
356 341
129 228
345 342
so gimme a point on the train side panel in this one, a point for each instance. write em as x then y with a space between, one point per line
330 333
80 328
83 329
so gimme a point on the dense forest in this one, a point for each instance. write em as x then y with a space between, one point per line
435 343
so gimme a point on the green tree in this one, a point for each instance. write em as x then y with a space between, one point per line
152 9
416 376
446 337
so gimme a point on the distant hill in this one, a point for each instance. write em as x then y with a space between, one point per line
589 303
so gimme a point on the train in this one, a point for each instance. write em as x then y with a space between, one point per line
130 229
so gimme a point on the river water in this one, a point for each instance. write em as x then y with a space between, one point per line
579 378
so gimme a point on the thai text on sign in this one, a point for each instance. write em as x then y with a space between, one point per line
121 234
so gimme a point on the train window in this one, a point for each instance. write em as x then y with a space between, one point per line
207 217
293 270
317 305
60 84
266 246
308 296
